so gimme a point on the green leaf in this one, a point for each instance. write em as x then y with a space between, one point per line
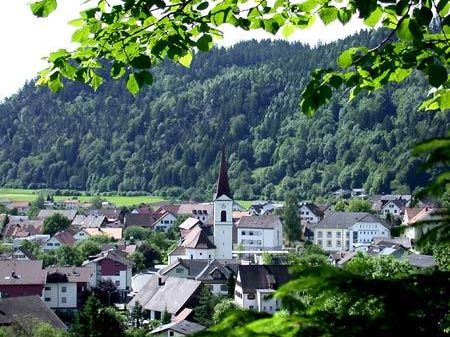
145 77
345 60
374 18
205 43
57 55
80 35
133 85
186 59
444 100
76 22
437 74
344 16
117 70
328 14
288 30
141 62
202 6
43 8
403 31
96 81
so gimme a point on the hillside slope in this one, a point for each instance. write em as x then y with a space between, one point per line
168 137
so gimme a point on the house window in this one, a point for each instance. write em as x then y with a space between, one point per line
338 234
328 243
338 243
47 299
171 333
329 235
117 283
63 289
238 294
223 216
251 296
251 307
48 288
179 270
63 299
319 242
319 234
117 272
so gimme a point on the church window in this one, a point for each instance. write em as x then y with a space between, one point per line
223 216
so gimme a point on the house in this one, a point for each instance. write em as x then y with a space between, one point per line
161 294
187 225
112 214
164 222
379 200
65 287
145 220
213 273
21 278
393 208
61 238
68 213
114 266
21 226
358 192
261 207
310 213
90 221
341 230
195 245
16 310
19 253
115 233
200 211
264 232
419 221
177 329
21 206
40 239
71 203
256 285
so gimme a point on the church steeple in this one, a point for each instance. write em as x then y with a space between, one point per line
223 185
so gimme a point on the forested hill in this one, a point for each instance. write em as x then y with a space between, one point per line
170 134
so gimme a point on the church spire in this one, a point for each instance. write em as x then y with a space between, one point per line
223 186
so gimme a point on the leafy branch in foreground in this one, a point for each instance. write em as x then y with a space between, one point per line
134 35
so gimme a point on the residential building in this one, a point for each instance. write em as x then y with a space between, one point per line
19 310
341 230
66 286
200 211
166 294
21 278
114 266
264 232
113 232
91 221
419 221
187 225
256 285
379 200
177 329
61 238
393 208
21 227
68 213
21 206
261 207
310 213
164 222
18 253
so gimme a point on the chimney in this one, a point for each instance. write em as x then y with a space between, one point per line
160 281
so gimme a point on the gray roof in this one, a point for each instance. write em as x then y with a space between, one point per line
172 295
421 261
348 219
263 276
194 266
226 268
88 220
115 255
183 327
68 213
260 221
27 306
22 272
72 274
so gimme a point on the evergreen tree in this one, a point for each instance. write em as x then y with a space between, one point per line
204 310
291 218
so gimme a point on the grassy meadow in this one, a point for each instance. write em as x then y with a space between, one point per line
9 194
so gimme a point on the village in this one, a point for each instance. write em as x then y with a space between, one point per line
216 248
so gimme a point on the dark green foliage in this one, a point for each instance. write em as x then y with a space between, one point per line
166 317
291 219
55 223
168 138
203 312
96 321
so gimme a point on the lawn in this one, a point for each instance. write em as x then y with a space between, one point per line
118 200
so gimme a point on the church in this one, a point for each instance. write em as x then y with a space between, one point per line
201 241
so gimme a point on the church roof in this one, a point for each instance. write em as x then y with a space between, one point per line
223 185
197 239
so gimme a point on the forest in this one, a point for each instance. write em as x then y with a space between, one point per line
167 139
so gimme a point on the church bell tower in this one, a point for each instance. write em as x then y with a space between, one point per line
223 213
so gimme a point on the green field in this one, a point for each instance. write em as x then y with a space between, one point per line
119 200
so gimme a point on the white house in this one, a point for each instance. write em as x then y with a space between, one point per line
256 284
393 207
164 222
65 287
419 221
310 213
341 230
263 232
61 238
178 328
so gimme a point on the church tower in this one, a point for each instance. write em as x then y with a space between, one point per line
223 213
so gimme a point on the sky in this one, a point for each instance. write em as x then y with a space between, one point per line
26 40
